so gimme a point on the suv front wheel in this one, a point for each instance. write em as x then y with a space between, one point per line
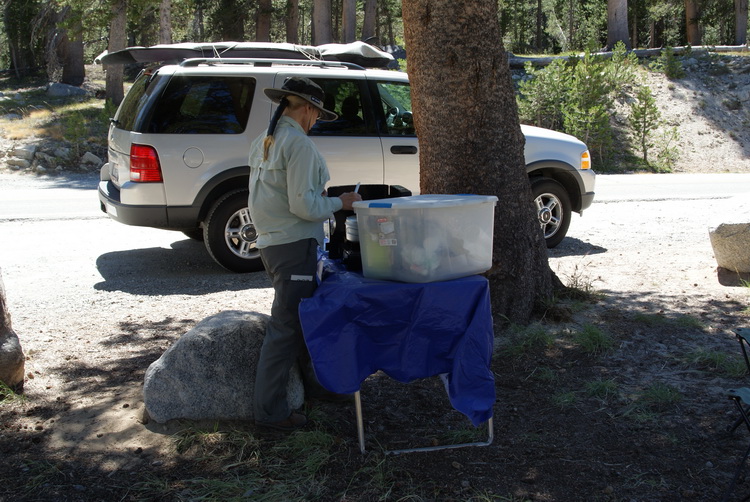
552 204
229 234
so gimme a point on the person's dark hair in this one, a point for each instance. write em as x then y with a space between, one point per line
268 140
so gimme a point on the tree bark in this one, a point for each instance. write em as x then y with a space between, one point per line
692 18
461 81
198 29
322 27
165 22
292 21
117 41
349 21
617 23
740 24
370 17
263 21
231 17
74 70
17 17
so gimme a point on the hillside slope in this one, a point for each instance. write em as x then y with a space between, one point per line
710 107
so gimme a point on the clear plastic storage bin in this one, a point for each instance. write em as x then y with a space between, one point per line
426 238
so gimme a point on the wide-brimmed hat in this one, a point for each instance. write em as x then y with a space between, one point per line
305 89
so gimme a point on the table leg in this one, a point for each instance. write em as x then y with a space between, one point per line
360 425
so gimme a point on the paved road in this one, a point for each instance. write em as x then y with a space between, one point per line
29 198
635 187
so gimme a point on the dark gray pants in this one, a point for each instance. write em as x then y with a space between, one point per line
291 268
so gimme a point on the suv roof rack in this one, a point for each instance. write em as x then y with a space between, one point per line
358 53
270 62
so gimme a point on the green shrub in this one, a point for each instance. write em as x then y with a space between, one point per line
668 64
644 119
577 96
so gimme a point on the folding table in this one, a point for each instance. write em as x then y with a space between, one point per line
354 327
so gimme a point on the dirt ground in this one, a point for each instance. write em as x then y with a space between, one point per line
645 420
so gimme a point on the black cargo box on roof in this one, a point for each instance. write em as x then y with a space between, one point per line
358 53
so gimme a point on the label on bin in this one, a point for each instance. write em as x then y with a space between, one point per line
386 232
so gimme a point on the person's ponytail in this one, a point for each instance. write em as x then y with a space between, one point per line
268 141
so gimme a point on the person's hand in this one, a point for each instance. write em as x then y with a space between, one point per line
348 199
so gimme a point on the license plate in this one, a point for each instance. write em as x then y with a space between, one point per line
111 210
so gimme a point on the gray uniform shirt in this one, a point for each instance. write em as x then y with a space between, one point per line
286 200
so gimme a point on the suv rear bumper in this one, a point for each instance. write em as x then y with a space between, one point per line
142 216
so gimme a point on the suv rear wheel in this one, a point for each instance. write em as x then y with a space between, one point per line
553 209
229 234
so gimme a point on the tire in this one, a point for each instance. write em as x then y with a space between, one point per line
553 209
195 234
229 234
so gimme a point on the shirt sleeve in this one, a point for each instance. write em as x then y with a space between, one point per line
307 175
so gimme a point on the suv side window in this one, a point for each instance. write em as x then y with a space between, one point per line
135 101
203 105
395 107
346 99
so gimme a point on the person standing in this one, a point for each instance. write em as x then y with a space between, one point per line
288 204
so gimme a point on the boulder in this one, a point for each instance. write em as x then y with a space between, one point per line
90 158
730 236
25 152
209 373
11 355
61 90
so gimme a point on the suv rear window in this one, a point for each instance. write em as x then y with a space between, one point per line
135 100
203 105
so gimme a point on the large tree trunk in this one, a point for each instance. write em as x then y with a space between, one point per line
231 17
370 18
692 18
165 22
292 21
74 70
349 21
198 28
117 41
740 23
263 21
17 17
461 81
617 23
322 27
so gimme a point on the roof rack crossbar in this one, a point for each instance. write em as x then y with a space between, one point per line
268 61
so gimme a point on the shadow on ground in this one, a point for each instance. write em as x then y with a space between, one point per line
183 269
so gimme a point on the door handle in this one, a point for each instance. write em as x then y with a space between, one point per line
403 150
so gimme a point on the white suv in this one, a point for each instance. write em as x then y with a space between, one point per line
179 142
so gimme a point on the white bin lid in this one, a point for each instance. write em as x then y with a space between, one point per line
426 201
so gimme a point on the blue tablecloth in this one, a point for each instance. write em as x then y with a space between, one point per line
354 326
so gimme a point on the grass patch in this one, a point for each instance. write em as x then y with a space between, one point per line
690 322
717 361
310 449
579 286
226 447
650 319
527 340
593 340
564 400
9 396
659 397
463 435
602 389
543 374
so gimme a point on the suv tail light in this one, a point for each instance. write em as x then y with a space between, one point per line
144 164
